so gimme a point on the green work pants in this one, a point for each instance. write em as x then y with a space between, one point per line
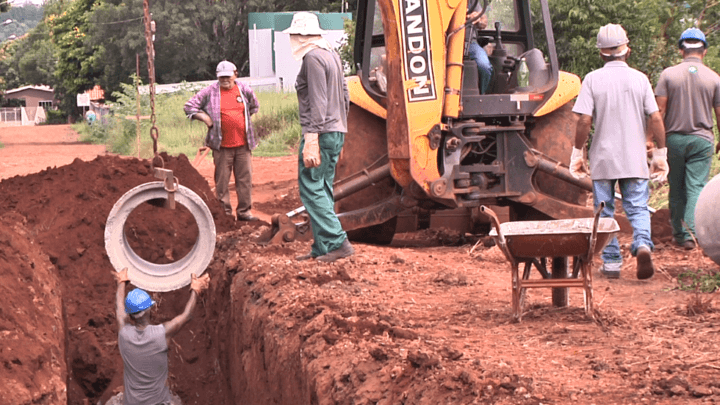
689 157
316 193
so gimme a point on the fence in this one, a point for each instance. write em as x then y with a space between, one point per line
11 116
19 116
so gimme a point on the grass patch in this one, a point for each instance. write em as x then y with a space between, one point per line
699 280
276 124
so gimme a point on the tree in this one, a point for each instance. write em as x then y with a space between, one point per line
653 27
76 69
23 20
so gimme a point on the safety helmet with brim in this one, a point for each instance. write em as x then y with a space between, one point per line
137 301
696 37
611 36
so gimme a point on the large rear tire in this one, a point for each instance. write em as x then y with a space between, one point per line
554 135
366 148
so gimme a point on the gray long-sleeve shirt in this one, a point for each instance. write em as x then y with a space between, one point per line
323 96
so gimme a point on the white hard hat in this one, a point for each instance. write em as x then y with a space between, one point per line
611 36
225 68
304 23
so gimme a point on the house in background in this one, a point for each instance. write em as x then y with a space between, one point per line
37 100
269 48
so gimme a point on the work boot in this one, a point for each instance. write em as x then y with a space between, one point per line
645 268
304 257
247 216
344 250
688 245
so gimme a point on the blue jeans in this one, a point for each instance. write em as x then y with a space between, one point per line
635 194
485 69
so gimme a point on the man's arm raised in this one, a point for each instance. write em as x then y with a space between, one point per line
121 278
197 285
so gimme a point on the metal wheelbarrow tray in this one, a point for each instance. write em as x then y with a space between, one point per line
532 242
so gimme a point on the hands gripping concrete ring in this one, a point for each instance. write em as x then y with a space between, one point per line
151 276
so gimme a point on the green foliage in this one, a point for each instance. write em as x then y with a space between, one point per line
55 117
347 47
24 19
576 23
698 280
76 58
276 124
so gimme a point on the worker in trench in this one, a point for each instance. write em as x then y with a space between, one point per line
144 347
324 102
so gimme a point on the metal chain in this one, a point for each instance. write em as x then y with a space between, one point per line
150 49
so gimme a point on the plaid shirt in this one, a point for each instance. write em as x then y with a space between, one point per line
207 100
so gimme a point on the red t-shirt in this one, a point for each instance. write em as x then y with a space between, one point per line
232 118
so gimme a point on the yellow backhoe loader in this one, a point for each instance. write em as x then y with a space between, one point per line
426 148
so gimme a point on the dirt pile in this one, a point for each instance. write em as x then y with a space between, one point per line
64 210
32 348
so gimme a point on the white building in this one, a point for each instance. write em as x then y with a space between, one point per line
269 48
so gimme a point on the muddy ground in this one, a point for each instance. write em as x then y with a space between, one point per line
426 320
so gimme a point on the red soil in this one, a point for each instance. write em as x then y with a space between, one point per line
426 320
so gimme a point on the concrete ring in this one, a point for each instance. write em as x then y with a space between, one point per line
151 276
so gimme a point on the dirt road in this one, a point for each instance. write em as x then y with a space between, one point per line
31 149
426 320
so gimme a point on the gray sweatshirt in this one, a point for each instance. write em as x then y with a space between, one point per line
323 96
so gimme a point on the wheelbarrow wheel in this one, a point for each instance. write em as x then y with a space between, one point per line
560 270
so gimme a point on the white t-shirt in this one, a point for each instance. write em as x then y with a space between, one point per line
619 98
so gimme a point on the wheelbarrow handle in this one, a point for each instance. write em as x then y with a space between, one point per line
596 222
494 221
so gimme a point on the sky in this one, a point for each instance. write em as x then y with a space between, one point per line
24 2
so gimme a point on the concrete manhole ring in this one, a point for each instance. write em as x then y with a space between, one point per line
151 276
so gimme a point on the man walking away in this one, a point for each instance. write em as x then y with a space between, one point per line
619 99
686 95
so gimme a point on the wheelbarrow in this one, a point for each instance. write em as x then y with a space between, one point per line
532 242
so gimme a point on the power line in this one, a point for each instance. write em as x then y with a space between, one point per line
120 22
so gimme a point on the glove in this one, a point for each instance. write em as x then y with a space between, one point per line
199 284
311 151
121 276
577 164
659 168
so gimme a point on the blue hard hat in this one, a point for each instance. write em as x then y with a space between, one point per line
137 300
692 33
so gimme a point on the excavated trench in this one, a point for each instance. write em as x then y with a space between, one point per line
58 324
404 326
